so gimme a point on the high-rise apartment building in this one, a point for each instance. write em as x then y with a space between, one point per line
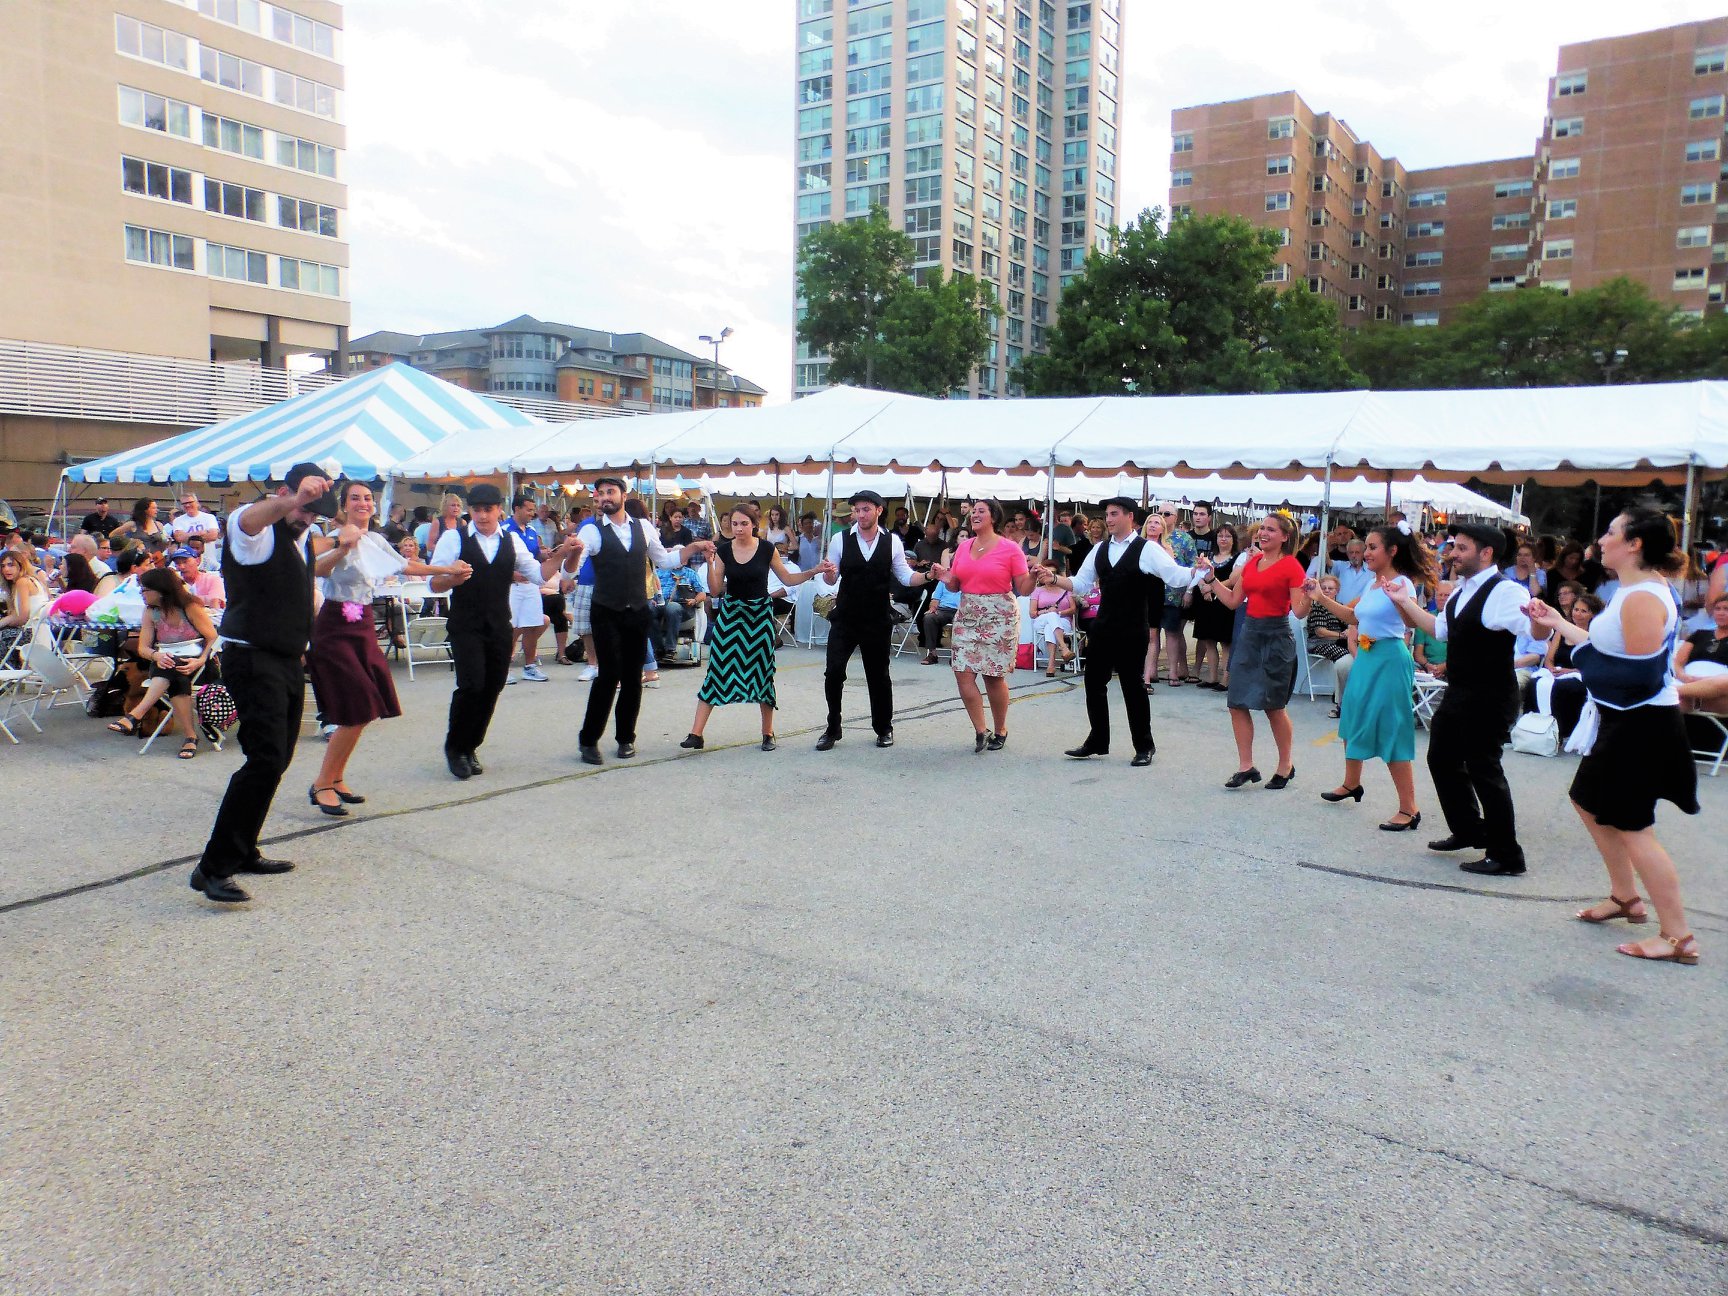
171 177
1626 180
988 132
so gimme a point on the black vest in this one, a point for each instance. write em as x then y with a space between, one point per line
480 605
1122 594
620 574
862 600
270 603
1479 659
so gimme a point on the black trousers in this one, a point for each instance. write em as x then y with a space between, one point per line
620 649
269 692
871 643
482 665
1464 743
1107 655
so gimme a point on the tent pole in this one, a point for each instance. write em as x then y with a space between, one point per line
1145 490
509 489
1049 546
1388 496
1596 513
1326 515
1686 517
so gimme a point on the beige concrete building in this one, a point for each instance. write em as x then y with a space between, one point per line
988 130
171 177
1627 179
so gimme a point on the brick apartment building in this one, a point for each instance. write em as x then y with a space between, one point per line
1627 179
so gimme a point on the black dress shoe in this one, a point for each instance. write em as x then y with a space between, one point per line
590 755
997 742
1491 867
626 750
221 890
1278 782
262 865
768 743
827 740
1141 759
692 741
979 740
474 766
354 798
1451 842
458 763
337 811
885 739
1085 750
1242 777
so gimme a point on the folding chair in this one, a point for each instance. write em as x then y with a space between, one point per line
1712 760
12 682
428 641
1429 691
1330 687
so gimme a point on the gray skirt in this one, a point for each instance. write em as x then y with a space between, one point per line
1263 664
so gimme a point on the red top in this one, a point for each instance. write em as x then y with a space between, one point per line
994 573
1268 590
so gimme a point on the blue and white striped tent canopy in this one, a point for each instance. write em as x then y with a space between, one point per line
359 428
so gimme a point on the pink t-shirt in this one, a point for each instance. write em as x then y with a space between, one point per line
994 573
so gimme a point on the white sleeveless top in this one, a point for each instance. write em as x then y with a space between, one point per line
1607 635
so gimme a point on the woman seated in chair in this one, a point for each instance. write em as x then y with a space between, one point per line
1701 663
173 615
21 592
1052 619
1329 637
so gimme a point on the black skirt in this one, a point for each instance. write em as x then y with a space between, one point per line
350 678
1640 757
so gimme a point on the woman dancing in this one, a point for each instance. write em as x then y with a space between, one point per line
989 571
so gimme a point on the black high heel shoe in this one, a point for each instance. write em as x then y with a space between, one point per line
1348 794
348 798
337 811
1241 777
1411 826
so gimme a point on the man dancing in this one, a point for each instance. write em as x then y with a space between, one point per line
1121 569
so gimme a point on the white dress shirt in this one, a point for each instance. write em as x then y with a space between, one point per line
896 552
449 550
1155 560
250 550
625 532
1504 610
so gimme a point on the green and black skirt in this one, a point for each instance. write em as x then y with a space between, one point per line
741 654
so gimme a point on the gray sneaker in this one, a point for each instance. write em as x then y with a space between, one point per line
533 672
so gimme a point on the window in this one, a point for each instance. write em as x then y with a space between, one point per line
1509 252
1556 249
1279 165
1319 217
233 137
1183 143
1385 283
1561 286
1709 106
1706 61
156 180
1357 303
1281 128
927 158
1563 209
1570 84
870 80
815 89
1428 198
1703 150
926 67
1504 283
1358 270
1277 274
1427 229
871 139
222 262
1568 127
919 99
875 108
1513 188
1564 169
811 120
1689 279
1382 313
234 200
145 41
1316 251
303 94
304 155
308 218
929 36
1693 195
815 206
1509 220
1426 288
1422 319
1692 236
875 167
1316 284
288 28
1181 179
153 112
1415 260
815 148
158 248
1277 202
231 72
924 189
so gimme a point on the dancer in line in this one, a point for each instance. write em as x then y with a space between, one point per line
741 648
868 561
1378 721
483 561
1270 581
1121 568
266 627
988 571
1640 754
622 548
1480 625
350 679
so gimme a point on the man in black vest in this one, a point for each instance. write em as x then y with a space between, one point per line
265 630
622 550
489 560
1121 568
1479 624
869 561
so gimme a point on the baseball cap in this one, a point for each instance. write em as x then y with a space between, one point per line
184 551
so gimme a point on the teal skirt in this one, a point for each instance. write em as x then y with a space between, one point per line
1378 721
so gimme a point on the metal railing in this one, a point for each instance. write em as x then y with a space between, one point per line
54 381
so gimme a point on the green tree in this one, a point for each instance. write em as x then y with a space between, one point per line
879 326
1186 310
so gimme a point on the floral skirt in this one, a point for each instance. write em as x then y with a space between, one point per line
986 634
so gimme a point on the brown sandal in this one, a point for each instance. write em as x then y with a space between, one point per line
1677 951
1622 909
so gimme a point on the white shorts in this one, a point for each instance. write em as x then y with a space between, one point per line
526 610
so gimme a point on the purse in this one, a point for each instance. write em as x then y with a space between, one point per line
823 605
215 708
1536 735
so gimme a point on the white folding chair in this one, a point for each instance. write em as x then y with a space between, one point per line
12 683
1711 759
1429 691
428 641
1315 686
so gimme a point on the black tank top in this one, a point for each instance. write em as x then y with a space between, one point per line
747 580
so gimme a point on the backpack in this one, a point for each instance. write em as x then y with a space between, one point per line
107 698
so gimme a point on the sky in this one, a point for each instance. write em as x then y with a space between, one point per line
627 164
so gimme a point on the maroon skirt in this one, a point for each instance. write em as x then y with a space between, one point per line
350 677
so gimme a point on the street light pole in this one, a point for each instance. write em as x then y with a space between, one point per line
715 341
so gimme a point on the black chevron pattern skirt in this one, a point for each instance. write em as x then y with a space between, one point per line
741 654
